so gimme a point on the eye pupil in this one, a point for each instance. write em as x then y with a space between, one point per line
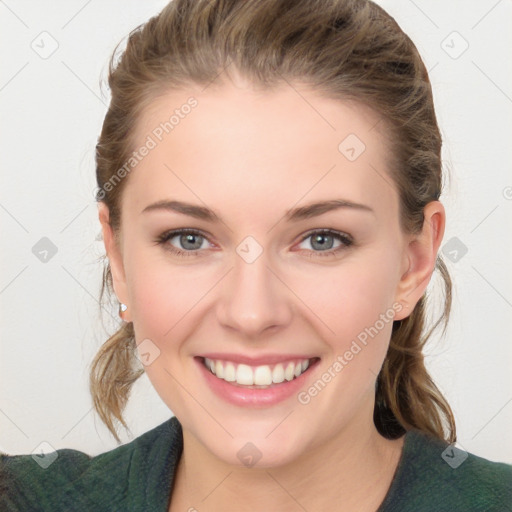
189 238
321 239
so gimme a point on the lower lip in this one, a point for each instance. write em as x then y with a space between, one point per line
254 397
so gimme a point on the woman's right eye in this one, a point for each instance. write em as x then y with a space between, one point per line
189 241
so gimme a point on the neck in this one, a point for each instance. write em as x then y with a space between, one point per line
353 469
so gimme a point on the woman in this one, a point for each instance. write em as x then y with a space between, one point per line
269 177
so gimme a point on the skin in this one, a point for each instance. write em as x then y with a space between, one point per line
250 156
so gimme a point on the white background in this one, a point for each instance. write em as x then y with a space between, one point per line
51 115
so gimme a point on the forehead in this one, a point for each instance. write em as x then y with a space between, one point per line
239 147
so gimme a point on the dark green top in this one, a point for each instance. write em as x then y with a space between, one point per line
431 477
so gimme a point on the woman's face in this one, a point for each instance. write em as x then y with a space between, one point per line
252 179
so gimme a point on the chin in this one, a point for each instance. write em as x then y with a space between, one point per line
257 454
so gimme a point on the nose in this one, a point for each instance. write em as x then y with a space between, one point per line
254 299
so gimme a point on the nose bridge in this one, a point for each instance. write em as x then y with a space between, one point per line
254 299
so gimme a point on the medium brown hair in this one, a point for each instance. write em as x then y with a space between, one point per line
346 49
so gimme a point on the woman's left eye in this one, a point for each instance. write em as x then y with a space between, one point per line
192 241
324 241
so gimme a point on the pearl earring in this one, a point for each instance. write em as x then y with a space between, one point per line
122 309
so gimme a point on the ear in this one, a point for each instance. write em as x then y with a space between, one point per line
112 248
420 258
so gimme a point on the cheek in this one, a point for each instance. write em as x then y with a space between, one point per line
351 297
163 294
166 308
353 306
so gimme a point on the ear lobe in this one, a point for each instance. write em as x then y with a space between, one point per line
421 255
113 253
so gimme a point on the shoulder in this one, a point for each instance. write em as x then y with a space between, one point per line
434 475
72 480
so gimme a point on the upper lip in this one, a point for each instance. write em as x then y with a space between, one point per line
265 359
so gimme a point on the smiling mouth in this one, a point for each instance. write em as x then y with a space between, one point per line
261 376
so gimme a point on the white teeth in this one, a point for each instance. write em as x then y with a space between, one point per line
230 372
263 375
219 369
244 374
288 373
278 374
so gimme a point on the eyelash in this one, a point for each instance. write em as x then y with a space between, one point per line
344 238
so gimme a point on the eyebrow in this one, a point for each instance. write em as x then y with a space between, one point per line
295 214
